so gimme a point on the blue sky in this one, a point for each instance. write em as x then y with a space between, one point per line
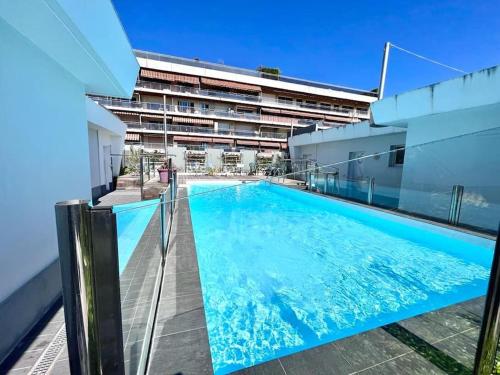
330 41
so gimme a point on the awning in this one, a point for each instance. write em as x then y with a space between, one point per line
284 146
270 144
126 113
223 140
247 143
191 139
285 120
239 106
170 77
190 120
301 114
271 110
154 116
336 118
132 137
230 85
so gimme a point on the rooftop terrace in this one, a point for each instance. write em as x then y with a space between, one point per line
248 72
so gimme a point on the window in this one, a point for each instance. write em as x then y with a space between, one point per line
185 103
325 106
205 106
299 102
311 103
397 156
244 110
285 100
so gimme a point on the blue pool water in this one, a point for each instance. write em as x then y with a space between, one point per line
130 226
282 270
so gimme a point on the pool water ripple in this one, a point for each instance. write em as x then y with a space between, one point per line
282 271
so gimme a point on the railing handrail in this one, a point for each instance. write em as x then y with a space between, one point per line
253 73
214 113
252 98
204 130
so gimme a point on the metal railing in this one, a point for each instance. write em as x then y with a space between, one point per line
204 130
253 73
229 114
89 256
333 109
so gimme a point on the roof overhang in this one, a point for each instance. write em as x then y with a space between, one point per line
86 38
470 91
100 117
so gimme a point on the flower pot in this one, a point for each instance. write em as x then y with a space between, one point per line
164 175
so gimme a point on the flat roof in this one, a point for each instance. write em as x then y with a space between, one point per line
472 90
248 72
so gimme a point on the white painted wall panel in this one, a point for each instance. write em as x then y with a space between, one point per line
44 154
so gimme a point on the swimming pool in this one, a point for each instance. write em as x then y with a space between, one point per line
131 224
283 270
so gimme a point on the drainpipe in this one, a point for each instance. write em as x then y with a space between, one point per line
383 73
165 125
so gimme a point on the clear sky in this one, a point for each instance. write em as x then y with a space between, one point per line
339 42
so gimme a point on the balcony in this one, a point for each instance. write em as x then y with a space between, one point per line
247 72
254 99
154 127
230 114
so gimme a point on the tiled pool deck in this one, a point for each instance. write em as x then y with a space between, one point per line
439 342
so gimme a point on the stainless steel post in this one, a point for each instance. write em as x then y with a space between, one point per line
336 184
172 194
371 187
456 204
88 256
490 328
106 291
141 172
165 138
75 247
163 221
383 72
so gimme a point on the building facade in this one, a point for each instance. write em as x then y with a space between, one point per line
235 115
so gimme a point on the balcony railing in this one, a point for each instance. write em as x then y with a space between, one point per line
230 114
204 130
249 98
253 73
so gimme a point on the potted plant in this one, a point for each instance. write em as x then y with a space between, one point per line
163 171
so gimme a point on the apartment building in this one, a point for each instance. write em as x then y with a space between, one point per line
209 108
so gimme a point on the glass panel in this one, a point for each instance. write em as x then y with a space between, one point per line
140 255
304 271
266 270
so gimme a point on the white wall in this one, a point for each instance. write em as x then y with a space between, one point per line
44 153
105 130
387 179
332 146
465 151
94 158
